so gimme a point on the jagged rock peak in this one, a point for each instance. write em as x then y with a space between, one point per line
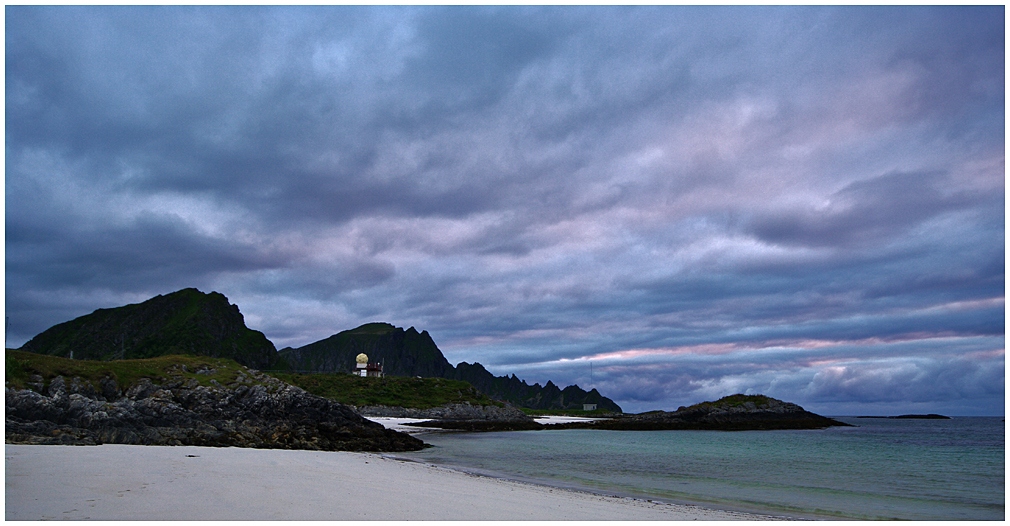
374 328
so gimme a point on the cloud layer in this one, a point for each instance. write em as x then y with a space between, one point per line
803 202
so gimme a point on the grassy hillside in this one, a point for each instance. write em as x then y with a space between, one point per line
20 366
419 393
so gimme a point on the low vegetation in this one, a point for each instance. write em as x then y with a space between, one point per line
736 400
20 366
418 393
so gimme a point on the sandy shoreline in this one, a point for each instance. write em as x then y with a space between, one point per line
119 482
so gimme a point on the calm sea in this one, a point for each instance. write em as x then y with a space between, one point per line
883 469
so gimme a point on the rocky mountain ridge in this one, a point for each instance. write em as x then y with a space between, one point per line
516 391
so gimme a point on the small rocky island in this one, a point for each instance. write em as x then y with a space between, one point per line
930 416
731 413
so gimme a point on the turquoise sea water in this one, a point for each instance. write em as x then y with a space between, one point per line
883 469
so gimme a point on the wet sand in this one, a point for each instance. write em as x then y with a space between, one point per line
119 482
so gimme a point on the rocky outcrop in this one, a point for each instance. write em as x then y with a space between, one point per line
732 413
255 411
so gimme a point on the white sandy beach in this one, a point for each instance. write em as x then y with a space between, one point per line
118 482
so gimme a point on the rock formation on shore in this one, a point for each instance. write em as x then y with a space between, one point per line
254 410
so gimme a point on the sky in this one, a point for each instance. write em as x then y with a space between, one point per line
669 204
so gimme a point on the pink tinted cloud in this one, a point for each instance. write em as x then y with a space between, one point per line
720 349
710 349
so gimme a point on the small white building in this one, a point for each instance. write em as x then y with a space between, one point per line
589 407
363 368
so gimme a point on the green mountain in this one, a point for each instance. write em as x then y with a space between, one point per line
409 353
402 352
184 322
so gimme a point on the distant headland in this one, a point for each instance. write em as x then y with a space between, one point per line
931 416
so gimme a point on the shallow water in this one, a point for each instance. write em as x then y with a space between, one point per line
883 469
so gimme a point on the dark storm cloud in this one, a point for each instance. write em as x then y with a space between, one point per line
152 248
532 185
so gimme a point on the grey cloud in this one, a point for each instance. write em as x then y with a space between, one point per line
868 211
912 381
525 183
153 247
473 55
153 255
